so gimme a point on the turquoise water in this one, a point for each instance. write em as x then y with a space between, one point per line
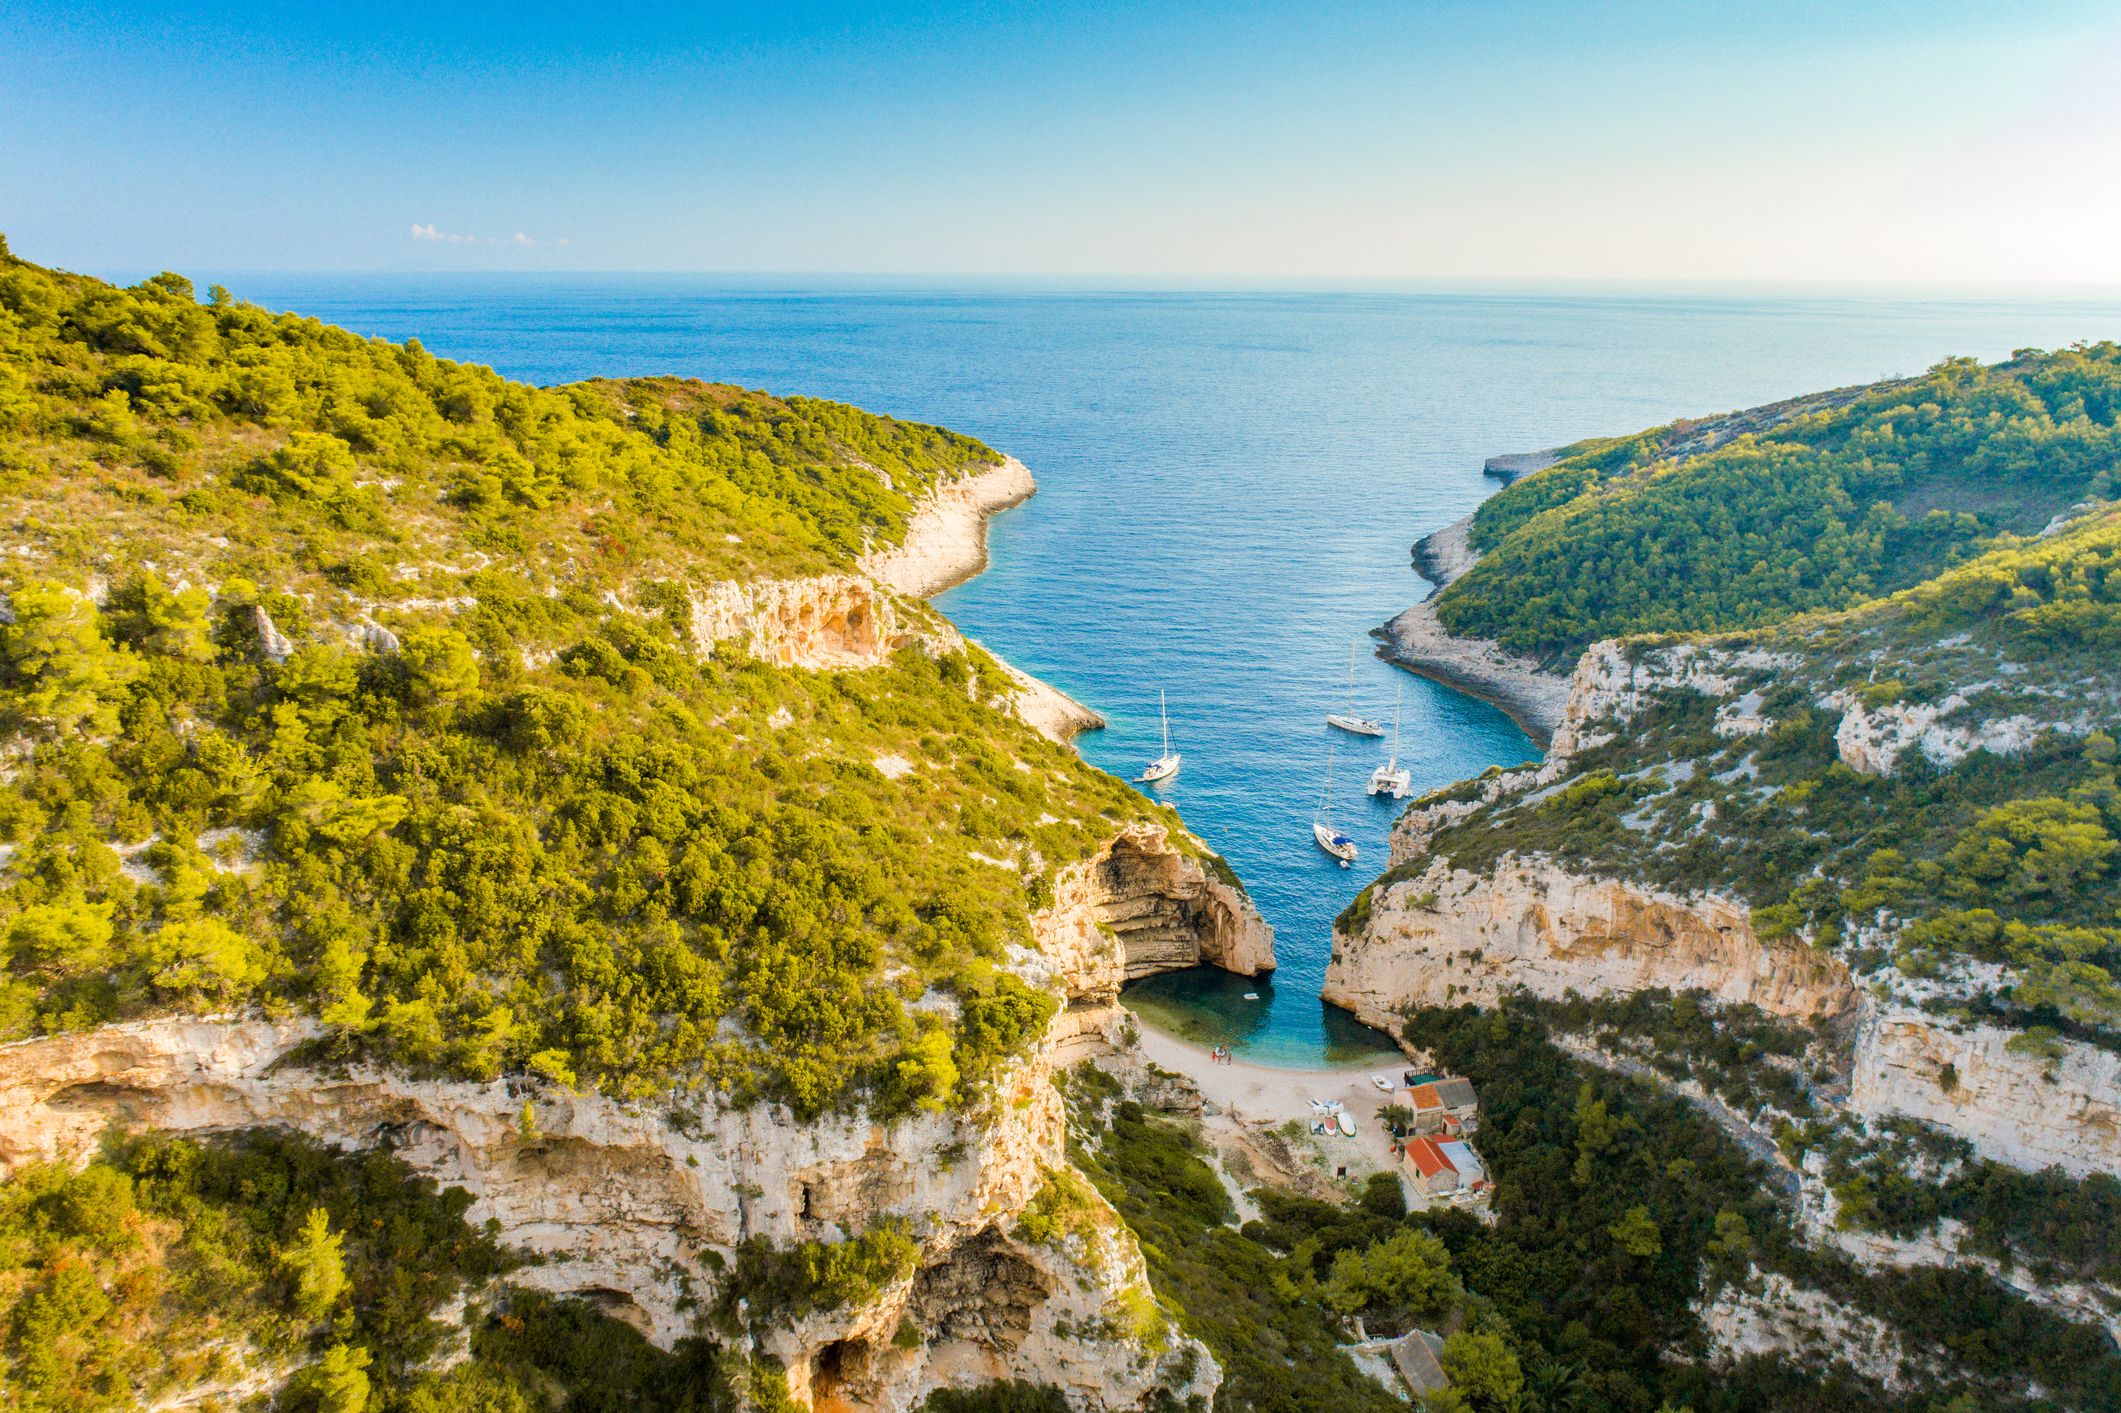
1229 486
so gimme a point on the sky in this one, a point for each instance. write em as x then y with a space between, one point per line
1425 140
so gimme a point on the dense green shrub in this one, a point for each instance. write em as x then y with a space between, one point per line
1821 511
395 711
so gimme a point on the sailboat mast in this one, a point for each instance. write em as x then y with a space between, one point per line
1164 713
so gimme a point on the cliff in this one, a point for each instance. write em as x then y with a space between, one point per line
1473 910
1447 937
569 792
641 1207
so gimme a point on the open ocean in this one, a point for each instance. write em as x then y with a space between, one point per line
1229 484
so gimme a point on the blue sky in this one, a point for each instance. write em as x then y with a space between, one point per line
1430 139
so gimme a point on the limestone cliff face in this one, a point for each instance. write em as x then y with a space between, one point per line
1439 935
630 1204
2017 1108
826 621
1448 937
1141 907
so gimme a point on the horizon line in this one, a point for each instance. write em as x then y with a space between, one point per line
1154 281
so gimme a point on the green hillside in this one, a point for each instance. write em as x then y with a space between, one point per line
1828 502
532 827
2011 859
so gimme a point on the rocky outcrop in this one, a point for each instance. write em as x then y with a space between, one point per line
1443 555
1770 1314
1873 739
2022 1108
946 538
641 1206
826 621
273 645
1447 937
1046 708
1479 667
1512 466
1165 910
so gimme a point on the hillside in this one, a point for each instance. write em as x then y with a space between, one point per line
1814 504
560 799
1846 877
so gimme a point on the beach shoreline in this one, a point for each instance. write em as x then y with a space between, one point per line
1243 1097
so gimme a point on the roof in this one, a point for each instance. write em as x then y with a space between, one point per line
1461 1157
1426 1097
1457 1093
1428 1158
1414 1355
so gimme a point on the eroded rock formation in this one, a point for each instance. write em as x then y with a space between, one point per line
1447 937
827 621
1141 907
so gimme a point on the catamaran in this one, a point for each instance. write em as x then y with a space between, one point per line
1392 778
1339 845
1347 720
1166 765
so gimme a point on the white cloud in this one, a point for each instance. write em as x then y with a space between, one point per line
428 232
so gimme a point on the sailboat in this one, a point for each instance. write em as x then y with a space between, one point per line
1347 720
1339 845
1166 765
1392 778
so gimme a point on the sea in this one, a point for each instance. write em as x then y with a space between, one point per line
1230 481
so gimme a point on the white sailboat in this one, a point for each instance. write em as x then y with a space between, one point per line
1166 765
1347 720
1339 845
1392 778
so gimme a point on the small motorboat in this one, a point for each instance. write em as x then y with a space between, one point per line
1347 1125
1392 778
1347 719
1251 995
1382 1083
1166 765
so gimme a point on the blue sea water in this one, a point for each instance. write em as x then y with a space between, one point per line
1229 484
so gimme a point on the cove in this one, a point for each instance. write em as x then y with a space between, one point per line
1229 483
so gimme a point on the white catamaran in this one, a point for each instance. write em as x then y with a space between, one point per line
1339 845
1166 765
1392 778
1347 720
